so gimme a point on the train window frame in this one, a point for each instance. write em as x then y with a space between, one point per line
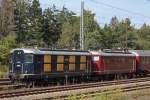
28 61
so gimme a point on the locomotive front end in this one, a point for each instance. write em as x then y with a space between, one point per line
20 64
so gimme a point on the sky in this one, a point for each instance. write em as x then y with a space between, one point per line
137 10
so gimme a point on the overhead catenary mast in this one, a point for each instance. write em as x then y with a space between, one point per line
82 26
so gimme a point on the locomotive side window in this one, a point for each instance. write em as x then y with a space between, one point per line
47 59
72 59
60 59
60 63
83 59
108 60
47 63
72 63
148 60
143 60
28 58
82 67
82 63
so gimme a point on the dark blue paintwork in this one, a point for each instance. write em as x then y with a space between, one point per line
17 64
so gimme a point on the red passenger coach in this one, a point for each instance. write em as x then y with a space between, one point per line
143 60
113 62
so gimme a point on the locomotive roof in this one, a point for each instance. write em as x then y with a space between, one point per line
141 52
115 53
52 52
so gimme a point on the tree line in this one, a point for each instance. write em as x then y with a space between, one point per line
23 23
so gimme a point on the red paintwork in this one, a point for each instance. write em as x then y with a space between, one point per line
102 67
137 61
96 64
141 66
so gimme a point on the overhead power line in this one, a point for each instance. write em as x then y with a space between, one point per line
121 9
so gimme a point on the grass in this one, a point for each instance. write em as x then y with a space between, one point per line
110 94
3 70
138 93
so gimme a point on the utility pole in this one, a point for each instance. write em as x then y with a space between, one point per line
82 26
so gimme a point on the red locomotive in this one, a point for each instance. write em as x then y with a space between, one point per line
113 63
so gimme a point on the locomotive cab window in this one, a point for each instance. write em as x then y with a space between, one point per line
28 58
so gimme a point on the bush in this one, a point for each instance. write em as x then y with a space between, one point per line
6 45
3 71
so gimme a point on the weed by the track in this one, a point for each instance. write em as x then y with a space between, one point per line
3 71
110 94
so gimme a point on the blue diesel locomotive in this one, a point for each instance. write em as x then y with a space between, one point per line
44 65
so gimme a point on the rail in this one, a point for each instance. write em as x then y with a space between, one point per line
34 91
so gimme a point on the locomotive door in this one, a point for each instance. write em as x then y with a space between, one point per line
18 61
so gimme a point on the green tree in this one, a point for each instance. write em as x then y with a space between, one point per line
6 18
106 37
144 37
34 36
127 36
93 40
22 21
119 34
92 31
51 27
70 29
6 44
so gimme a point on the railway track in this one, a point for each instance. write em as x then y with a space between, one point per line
84 95
6 84
36 91
5 81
